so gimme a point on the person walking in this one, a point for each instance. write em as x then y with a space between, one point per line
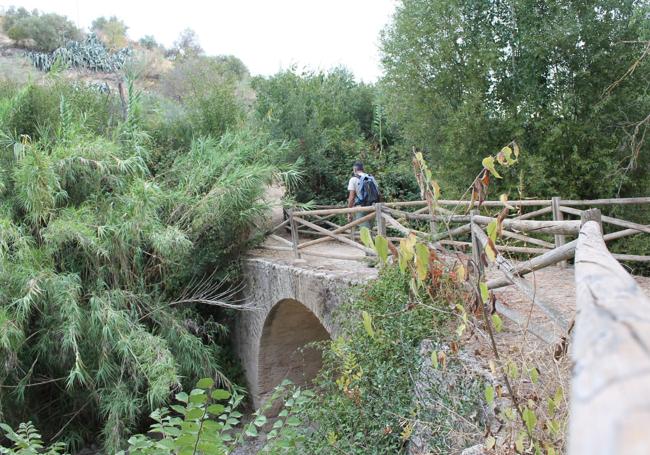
362 191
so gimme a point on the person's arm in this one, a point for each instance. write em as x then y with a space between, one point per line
352 195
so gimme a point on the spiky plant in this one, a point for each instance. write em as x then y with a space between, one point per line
88 54
93 252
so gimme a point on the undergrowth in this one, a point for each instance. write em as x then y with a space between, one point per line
365 402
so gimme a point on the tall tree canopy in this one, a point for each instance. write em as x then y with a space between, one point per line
464 77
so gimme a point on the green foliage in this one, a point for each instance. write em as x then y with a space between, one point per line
463 77
43 32
200 423
27 441
34 110
95 252
112 31
364 402
211 91
329 117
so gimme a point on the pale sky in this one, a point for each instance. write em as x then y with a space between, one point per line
267 35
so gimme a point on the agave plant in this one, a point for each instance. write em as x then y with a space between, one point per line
88 54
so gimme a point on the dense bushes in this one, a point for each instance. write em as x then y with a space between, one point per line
43 32
364 402
201 96
35 110
95 253
322 114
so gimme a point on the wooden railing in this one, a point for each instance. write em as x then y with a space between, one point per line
446 228
610 348
610 390
544 242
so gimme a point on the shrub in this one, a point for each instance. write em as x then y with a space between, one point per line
45 31
364 401
201 422
94 255
111 31
327 115
211 90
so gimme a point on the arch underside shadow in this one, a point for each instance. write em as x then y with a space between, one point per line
283 354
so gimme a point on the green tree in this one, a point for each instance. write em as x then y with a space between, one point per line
213 93
328 115
43 32
149 42
112 31
463 77
187 45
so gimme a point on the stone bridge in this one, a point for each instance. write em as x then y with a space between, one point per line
295 302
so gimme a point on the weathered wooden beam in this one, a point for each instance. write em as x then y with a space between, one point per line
612 220
506 267
557 216
380 221
533 214
280 239
504 248
567 251
610 388
279 226
334 211
622 233
613 201
546 227
523 321
339 230
631 257
294 234
461 230
395 224
523 203
527 239
522 268
338 237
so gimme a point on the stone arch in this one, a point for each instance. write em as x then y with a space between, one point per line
288 327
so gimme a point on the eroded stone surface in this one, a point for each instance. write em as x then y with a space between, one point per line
294 305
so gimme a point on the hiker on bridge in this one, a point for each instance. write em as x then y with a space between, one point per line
362 191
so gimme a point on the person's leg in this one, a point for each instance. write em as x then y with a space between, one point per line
367 224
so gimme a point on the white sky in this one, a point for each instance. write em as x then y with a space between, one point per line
266 35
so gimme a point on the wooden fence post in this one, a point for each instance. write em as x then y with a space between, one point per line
476 247
591 215
560 239
294 235
381 221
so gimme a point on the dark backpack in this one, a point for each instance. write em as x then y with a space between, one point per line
368 191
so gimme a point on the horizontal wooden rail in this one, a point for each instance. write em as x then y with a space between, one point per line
546 227
612 220
506 267
610 388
